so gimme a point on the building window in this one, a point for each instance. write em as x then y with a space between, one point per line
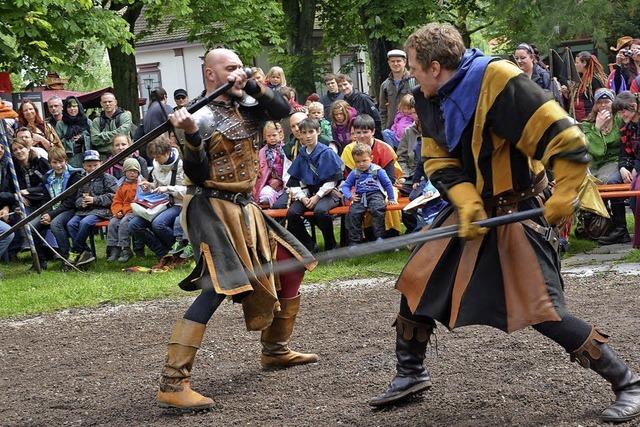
149 78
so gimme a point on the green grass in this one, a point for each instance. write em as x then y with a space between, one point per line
24 294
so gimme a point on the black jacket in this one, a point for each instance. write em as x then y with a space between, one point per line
365 105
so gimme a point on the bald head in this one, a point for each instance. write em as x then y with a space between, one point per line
219 54
219 63
294 119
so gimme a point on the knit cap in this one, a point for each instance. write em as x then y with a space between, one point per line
131 164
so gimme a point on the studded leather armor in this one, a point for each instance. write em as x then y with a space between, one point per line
230 138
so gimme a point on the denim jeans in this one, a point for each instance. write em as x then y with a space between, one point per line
59 230
5 241
158 234
80 228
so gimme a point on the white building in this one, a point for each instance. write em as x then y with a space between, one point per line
172 62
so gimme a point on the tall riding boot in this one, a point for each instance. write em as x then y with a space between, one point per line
175 390
411 376
597 355
275 339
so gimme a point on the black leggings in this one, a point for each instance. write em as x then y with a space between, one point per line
570 332
204 306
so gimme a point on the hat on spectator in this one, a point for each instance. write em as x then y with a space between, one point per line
90 155
622 42
603 93
314 97
131 164
396 53
180 92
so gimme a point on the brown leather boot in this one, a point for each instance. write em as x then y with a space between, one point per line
175 390
275 339
594 353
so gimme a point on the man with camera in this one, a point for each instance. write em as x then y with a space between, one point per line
622 73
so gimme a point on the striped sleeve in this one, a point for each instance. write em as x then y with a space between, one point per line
529 118
442 168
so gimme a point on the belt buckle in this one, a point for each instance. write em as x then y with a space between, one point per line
235 197
198 191
551 236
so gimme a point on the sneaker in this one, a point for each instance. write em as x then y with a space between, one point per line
85 258
73 257
114 254
177 248
187 252
125 255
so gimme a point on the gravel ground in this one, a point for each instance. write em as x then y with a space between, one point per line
101 366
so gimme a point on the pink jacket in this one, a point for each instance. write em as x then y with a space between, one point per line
400 122
264 173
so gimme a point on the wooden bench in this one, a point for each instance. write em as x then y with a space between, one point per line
617 191
98 227
337 211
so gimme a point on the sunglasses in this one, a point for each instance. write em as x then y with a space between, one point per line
180 97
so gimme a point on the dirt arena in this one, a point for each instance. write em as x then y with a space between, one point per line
101 366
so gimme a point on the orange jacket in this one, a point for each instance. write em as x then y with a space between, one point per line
125 195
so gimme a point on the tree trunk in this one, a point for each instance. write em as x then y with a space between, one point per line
378 48
300 15
125 81
124 72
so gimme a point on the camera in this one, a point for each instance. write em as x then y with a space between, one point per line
627 52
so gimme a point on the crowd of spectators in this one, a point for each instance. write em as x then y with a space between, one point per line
343 147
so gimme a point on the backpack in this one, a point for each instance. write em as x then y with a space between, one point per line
374 174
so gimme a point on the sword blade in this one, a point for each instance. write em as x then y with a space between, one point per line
399 242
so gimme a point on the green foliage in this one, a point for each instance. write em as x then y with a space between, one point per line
98 70
244 27
37 36
546 23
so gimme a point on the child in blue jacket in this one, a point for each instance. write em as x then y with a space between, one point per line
370 182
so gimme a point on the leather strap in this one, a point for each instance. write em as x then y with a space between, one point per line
242 199
512 198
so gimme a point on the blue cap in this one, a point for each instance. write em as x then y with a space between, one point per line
90 155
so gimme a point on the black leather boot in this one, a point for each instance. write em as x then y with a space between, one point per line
597 355
411 376
619 234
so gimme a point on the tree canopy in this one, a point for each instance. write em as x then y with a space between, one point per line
55 35
37 36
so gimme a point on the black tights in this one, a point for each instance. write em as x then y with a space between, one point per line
204 306
570 332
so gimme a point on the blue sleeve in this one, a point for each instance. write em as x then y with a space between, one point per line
347 184
386 183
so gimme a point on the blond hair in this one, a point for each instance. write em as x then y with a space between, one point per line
315 105
271 125
277 71
340 106
57 153
437 42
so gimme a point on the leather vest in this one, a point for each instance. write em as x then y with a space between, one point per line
230 134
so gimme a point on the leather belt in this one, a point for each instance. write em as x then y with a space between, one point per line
515 197
242 199
550 234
